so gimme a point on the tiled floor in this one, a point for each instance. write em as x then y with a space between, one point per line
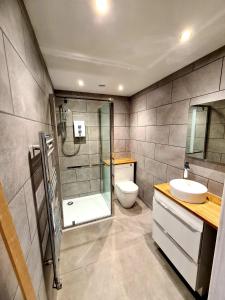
116 259
84 209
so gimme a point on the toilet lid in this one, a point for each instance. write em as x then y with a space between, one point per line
127 186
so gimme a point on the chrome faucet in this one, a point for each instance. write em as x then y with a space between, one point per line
186 169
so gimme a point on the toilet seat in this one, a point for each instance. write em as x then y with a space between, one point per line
127 186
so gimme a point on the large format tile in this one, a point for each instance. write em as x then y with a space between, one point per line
156 168
147 117
14 154
146 149
170 155
139 103
28 192
178 134
12 23
159 96
28 99
176 113
34 263
157 134
18 211
222 85
202 81
8 282
5 95
117 259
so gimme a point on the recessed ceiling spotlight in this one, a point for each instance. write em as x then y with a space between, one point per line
80 82
102 7
185 36
120 87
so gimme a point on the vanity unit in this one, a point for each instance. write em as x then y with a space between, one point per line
186 233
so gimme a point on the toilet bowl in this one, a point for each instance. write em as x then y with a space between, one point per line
126 192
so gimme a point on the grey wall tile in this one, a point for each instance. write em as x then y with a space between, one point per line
133 119
139 133
139 103
32 55
78 160
76 188
95 185
133 145
5 95
93 106
68 176
8 282
202 81
147 117
14 154
173 173
215 188
209 58
222 85
119 145
208 173
127 120
18 211
159 96
12 23
171 155
28 99
83 174
93 133
29 199
121 106
79 106
157 134
198 178
93 119
34 263
178 134
119 120
156 168
146 149
121 133
176 113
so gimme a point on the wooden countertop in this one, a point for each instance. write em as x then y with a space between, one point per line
120 161
208 211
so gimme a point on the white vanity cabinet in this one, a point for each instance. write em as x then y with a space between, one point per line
186 240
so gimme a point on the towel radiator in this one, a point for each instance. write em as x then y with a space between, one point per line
47 148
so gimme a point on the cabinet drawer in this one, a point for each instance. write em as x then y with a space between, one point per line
187 268
185 228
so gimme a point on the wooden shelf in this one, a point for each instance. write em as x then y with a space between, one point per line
208 211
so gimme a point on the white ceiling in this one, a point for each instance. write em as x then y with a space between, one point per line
136 44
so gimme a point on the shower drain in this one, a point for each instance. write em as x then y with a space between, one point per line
70 203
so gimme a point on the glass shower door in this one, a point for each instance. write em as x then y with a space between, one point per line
105 118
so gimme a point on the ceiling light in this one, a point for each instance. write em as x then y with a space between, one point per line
102 6
120 87
185 36
80 82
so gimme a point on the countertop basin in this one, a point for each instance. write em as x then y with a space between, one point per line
188 190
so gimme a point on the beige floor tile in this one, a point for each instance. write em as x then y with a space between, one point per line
116 259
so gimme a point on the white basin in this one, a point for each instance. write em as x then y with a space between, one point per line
188 190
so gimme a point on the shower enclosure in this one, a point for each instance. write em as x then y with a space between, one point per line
84 141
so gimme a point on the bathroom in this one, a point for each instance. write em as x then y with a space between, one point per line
113 105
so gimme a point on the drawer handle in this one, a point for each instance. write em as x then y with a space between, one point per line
192 228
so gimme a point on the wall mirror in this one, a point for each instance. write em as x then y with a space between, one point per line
206 132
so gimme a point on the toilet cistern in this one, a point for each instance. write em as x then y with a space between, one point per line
186 169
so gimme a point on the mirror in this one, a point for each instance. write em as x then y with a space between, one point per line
206 132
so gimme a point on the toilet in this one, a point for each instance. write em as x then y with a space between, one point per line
125 189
